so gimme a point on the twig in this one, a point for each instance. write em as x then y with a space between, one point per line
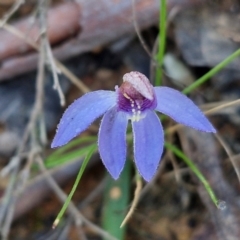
6 199
175 166
49 57
225 105
12 10
11 165
135 200
138 32
39 98
54 73
139 35
8 220
73 78
230 154
24 174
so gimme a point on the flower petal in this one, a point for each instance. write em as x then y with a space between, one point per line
112 141
148 144
180 108
81 113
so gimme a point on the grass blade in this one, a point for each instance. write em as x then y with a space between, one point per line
195 169
80 173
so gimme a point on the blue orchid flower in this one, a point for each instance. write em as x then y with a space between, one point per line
135 100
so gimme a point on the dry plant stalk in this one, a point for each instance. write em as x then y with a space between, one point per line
137 195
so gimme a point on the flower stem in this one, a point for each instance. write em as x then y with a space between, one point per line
212 72
116 201
161 41
195 169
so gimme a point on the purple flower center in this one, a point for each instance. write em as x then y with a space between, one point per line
133 102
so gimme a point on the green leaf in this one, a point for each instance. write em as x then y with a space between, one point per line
57 160
72 144
66 153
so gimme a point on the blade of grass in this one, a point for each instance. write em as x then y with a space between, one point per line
116 199
212 72
195 169
80 173
161 40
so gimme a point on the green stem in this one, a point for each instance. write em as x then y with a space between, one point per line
194 168
161 40
212 72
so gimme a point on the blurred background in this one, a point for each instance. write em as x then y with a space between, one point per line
51 53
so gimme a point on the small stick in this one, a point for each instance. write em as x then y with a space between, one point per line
12 10
135 200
